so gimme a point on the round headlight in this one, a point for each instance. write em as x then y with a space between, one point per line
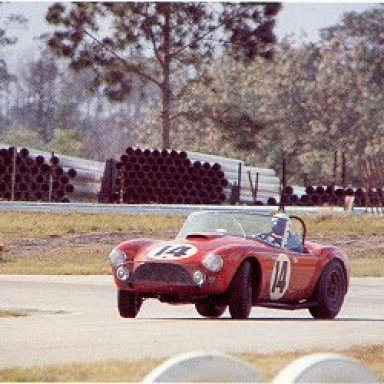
122 273
117 257
213 262
199 278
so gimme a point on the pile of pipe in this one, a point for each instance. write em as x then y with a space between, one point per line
26 177
257 186
331 196
168 177
184 177
88 173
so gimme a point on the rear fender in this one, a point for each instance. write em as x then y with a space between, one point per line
327 254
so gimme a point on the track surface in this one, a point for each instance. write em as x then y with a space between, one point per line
74 319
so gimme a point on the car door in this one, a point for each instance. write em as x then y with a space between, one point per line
291 269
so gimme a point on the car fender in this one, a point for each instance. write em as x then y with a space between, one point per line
328 254
234 256
133 247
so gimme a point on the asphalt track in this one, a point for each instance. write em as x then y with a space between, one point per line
74 319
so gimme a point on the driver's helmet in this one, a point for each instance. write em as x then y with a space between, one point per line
280 222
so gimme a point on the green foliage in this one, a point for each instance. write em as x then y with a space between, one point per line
21 137
66 141
313 100
173 36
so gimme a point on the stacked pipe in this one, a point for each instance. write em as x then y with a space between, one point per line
257 185
331 196
28 178
168 177
89 173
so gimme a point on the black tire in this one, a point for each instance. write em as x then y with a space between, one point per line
210 310
330 292
129 303
240 292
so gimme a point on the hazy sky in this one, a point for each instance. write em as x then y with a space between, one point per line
298 18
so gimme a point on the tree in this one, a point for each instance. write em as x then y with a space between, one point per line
41 78
153 42
347 98
6 79
255 111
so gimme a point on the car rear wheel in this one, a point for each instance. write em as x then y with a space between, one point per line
210 310
240 292
330 292
129 303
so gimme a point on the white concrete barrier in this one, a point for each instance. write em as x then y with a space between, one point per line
213 367
325 368
198 367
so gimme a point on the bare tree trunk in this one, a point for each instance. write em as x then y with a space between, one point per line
166 86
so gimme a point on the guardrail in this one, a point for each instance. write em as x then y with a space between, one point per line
164 209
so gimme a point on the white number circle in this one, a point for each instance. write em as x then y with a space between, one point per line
280 278
172 252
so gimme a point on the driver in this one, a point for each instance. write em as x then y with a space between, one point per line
281 235
279 223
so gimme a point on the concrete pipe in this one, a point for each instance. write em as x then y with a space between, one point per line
54 160
24 153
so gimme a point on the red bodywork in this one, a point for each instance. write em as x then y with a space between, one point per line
171 280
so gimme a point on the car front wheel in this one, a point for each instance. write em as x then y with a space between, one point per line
240 292
210 310
330 292
129 303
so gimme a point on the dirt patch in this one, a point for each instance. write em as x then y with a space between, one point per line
25 247
354 245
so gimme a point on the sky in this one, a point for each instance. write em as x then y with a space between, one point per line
302 19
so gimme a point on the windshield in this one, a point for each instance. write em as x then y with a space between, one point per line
223 223
277 230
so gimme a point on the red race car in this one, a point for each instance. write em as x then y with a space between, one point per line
234 260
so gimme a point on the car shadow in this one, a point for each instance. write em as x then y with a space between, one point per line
269 319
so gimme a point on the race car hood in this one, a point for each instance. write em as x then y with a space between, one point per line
189 250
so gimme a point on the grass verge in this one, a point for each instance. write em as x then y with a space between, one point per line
12 313
89 260
337 225
93 260
127 371
20 225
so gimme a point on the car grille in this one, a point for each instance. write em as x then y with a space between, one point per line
162 273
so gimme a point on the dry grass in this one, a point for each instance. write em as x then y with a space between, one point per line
367 266
93 260
12 313
18 225
128 371
108 371
367 260
271 365
336 225
89 260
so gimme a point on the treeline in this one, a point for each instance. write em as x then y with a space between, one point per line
47 107
310 101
